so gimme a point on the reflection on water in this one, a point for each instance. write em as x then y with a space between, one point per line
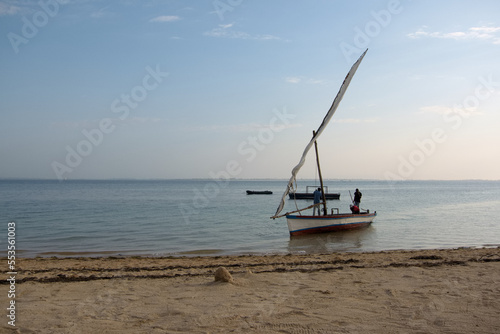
341 241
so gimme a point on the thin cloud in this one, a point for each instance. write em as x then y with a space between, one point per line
225 31
489 34
293 80
355 120
248 127
165 18
444 110
89 124
436 109
6 9
312 81
101 13
307 81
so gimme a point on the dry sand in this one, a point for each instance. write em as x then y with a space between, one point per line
428 291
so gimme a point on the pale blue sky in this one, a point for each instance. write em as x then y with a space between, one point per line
85 91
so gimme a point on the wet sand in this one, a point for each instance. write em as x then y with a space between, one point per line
427 291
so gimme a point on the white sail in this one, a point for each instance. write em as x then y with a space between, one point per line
327 118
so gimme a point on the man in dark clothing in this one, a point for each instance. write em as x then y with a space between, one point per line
317 200
357 197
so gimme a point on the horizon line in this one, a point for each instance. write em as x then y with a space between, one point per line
230 179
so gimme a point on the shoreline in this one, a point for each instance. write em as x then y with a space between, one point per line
83 268
433 291
24 254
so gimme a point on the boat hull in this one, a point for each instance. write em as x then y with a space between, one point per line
264 192
299 225
311 196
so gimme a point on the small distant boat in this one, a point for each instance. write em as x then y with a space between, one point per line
262 192
310 195
325 222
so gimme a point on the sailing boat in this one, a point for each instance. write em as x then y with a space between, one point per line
306 224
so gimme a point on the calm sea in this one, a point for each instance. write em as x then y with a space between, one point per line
196 217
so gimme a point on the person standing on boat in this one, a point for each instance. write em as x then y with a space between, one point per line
317 200
357 197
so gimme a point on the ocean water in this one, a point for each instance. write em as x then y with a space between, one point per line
208 217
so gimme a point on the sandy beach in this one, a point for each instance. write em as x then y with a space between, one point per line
427 291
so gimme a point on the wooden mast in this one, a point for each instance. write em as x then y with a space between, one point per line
319 174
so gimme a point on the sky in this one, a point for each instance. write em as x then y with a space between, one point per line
154 89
